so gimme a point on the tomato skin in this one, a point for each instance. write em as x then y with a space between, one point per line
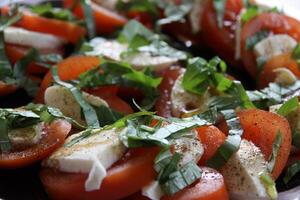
261 128
163 104
221 40
6 89
109 94
55 135
273 22
106 21
123 179
211 138
66 30
68 69
211 186
267 75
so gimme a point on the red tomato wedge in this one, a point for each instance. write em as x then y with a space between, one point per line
6 89
110 95
268 74
261 128
66 30
106 21
16 52
68 69
54 137
273 22
221 40
163 103
126 177
211 186
211 138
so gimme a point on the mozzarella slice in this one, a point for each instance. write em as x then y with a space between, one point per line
284 76
37 40
195 15
242 173
274 45
92 155
184 102
112 50
22 138
62 98
153 191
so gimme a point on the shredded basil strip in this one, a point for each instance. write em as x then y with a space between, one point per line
232 142
291 172
5 145
89 112
48 11
273 94
250 13
266 179
89 17
288 107
173 12
256 38
201 74
275 149
220 6
296 54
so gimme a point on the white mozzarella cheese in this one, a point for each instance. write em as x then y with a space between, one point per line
92 155
153 191
38 40
284 76
242 173
112 50
195 15
275 45
22 138
183 102
62 98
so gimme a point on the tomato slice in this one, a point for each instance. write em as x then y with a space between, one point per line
163 104
16 52
110 95
268 75
221 40
54 137
66 30
68 69
6 89
261 128
273 22
211 186
106 21
211 138
126 177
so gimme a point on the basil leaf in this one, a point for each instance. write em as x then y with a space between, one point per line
291 172
288 107
30 86
132 29
232 142
256 38
250 13
5 145
89 112
267 181
220 6
296 54
107 116
182 178
168 169
175 13
89 17
48 11
275 149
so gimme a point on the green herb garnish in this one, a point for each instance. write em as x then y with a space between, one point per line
256 38
275 149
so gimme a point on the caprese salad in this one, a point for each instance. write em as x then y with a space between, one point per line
122 108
